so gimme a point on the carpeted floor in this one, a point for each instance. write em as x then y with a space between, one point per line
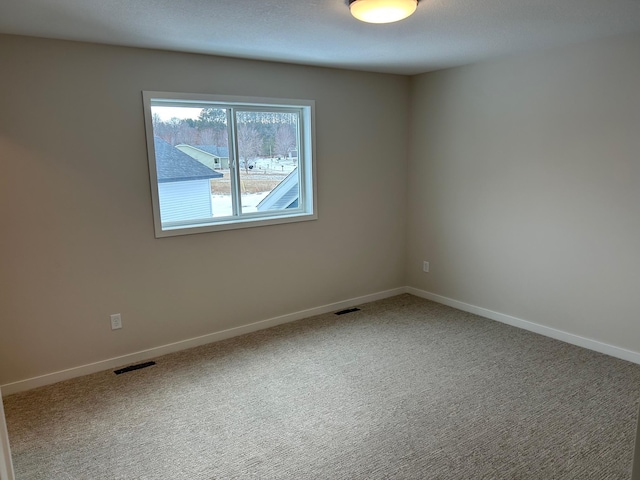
403 389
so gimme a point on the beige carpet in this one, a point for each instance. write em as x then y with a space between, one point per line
404 389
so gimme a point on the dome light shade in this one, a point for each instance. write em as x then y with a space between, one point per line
382 11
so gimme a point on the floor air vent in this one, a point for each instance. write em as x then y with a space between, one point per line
348 310
131 368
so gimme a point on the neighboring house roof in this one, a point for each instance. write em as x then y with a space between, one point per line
172 165
285 195
222 152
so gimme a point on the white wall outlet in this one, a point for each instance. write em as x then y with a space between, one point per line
425 267
116 321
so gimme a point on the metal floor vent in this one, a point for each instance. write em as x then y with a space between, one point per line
131 368
348 310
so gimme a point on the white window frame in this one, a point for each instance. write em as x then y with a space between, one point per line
307 201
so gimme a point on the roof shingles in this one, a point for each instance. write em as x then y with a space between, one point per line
172 165
222 152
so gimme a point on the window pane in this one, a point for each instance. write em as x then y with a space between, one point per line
268 159
221 163
192 160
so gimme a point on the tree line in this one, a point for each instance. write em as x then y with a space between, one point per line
260 133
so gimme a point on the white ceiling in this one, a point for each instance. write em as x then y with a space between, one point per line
442 33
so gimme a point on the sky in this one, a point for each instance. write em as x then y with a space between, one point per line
167 113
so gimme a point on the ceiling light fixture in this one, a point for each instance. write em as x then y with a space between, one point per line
382 11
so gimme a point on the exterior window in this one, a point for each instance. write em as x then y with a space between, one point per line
219 163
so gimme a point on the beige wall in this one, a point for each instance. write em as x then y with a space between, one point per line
523 191
524 188
77 237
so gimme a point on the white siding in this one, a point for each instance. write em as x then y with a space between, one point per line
210 160
184 200
283 195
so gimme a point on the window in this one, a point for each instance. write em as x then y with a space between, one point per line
219 163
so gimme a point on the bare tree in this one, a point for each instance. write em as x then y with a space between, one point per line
249 144
221 137
285 140
169 130
156 121
187 134
213 116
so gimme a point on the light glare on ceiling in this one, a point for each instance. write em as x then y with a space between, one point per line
382 11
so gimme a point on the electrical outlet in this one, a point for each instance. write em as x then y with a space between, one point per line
425 267
116 321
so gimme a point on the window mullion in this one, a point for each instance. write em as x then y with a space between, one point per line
301 160
234 164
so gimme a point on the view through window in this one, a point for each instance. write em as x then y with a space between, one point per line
219 163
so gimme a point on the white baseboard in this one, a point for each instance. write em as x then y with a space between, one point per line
110 363
571 338
143 355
